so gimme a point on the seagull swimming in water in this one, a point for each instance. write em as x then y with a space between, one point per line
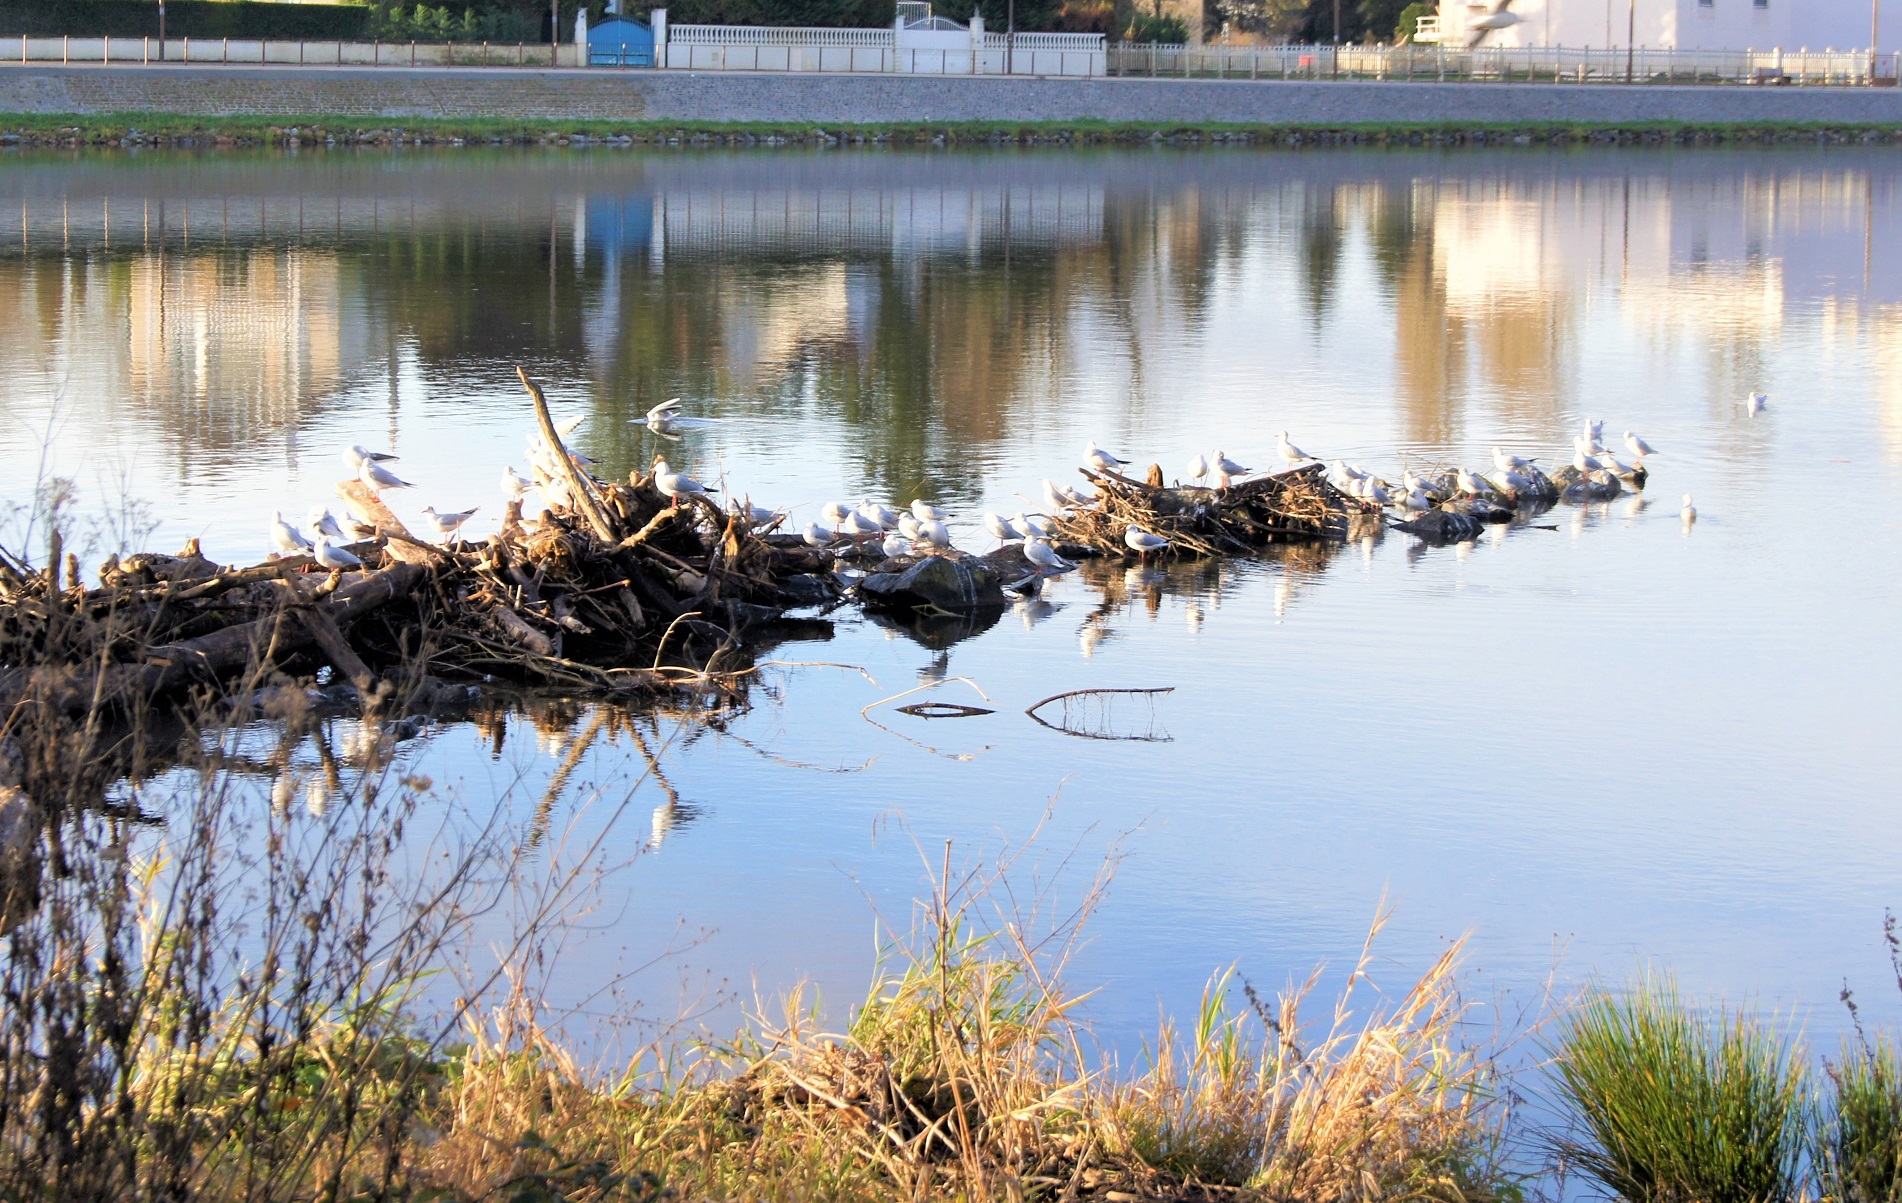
377 478
1689 512
1142 542
285 538
448 524
675 485
1638 446
1755 402
1101 460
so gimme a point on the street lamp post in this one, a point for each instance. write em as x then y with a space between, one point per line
161 30
1631 34
1875 40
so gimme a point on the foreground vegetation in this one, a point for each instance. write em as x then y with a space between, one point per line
214 992
318 130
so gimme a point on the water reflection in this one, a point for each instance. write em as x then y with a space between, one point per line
955 326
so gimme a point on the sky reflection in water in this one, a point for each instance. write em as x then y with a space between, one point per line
1610 741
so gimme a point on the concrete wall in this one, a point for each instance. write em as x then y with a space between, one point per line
515 94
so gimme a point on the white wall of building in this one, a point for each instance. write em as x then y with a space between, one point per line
1683 24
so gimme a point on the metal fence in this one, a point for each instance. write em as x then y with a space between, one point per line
1529 64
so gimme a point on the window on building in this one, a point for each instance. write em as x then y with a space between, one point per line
1705 3
1761 3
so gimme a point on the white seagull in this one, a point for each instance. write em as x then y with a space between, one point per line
377 478
1471 485
1638 446
1689 512
285 538
356 453
1101 460
1045 557
895 545
835 512
933 534
908 525
816 535
1586 463
448 524
1289 451
1228 467
1515 483
1510 463
1199 468
514 484
1755 402
1371 490
320 521
1350 472
923 511
884 515
334 558
1142 542
1055 497
1000 528
756 515
1418 500
1030 525
858 525
675 485
1587 446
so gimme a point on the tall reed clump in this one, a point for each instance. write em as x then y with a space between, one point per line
1670 1105
1860 1150
1391 1104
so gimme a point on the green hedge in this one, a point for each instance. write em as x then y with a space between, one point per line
184 19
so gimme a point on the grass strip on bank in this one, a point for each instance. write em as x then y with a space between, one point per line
318 130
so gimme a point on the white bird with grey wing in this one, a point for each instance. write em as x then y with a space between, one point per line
1143 542
334 558
1500 17
286 539
1045 557
1100 460
377 478
320 521
675 485
448 524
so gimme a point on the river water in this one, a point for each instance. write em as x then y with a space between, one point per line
1614 742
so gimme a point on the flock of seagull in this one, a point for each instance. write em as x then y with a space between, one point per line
923 527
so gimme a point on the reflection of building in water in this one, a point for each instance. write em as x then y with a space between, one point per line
1492 277
211 346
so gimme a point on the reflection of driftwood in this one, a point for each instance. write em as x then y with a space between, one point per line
943 710
866 714
1068 729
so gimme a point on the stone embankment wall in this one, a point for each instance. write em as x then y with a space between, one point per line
612 95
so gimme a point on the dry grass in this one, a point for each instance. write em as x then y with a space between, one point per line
964 1075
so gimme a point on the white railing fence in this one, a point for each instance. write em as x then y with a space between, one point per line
742 48
253 51
1529 64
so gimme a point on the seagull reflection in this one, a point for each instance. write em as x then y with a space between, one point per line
1192 613
1036 611
1634 509
670 816
317 796
1091 635
935 671
1284 593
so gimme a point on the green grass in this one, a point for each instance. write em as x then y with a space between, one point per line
186 129
1670 1104
1861 1137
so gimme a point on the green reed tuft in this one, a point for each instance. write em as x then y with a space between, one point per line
1671 1105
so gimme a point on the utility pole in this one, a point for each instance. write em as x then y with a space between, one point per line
554 32
1337 22
1631 34
161 30
1875 40
1010 40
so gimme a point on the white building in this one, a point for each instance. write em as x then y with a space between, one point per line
1679 24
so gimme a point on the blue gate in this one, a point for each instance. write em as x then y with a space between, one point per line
620 42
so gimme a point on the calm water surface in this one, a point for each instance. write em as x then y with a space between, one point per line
1610 742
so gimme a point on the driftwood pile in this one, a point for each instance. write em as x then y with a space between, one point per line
1296 506
621 590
